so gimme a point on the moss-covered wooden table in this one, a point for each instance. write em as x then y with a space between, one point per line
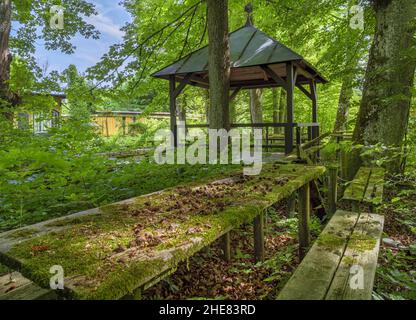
113 251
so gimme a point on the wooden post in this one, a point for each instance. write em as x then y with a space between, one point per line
292 204
267 139
172 109
123 123
298 142
304 218
226 246
355 206
332 189
314 97
289 105
259 237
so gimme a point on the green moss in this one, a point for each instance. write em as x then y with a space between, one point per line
348 260
24 233
65 222
330 241
362 242
3 270
86 249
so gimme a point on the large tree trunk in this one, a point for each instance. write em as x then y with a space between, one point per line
5 55
218 64
206 105
384 110
256 109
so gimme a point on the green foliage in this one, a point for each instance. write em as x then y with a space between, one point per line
44 176
33 25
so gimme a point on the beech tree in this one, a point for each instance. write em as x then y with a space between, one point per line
387 92
218 64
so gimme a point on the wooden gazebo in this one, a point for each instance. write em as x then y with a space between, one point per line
257 61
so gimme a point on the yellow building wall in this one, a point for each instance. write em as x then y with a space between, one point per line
113 125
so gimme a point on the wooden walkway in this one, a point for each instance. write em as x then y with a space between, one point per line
344 254
121 249
341 265
13 286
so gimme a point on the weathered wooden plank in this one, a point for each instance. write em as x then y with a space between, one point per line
109 252
354 278
313 277
375 188
332 189
304 219
226 246
356 189
16 287
259 237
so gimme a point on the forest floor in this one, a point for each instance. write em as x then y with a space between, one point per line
396 271
207 276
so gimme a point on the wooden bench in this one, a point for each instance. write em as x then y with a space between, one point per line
344 254
121 249
366 189
14 286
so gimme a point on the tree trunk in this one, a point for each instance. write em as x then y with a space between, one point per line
256 110
282 108
218 64
206 96
276 113
344 102
5 55
182 109
384 110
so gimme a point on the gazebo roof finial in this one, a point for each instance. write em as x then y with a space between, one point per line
249 9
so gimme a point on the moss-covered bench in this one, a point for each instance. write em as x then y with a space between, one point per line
342 262
366 189
123 248
14 286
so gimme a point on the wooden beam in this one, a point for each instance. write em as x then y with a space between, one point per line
306 92
303 72
226 246
274 76
292 204
172 109
184 82
312 85
332 189
234 94
259 237
304 219
295 74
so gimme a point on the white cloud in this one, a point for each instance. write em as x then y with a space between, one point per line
105 25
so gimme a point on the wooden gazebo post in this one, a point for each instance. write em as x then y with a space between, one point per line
314 98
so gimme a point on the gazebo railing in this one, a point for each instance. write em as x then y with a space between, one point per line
312 127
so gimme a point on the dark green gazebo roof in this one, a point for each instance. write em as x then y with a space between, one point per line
250 49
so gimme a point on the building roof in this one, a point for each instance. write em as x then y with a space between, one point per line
250 49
